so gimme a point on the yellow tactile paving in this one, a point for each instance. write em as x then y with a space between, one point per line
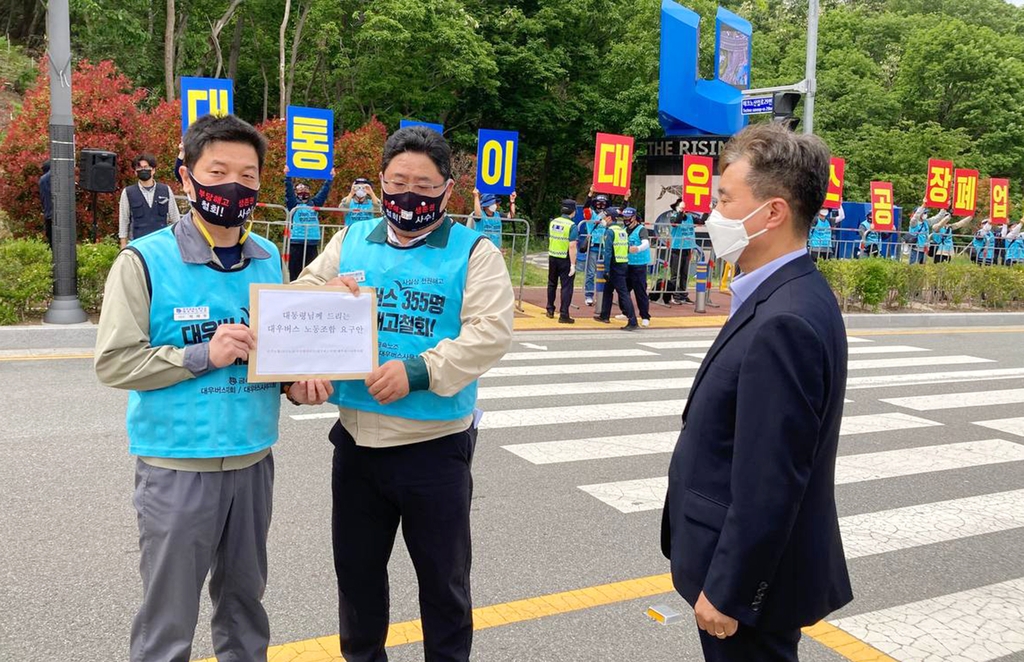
326 649
536 320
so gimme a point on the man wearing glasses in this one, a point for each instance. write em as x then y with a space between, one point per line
404 441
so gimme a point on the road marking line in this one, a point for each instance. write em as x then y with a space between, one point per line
573 354
913 361
871 423
941 331
978 624
870 349
925 459
1007 425
944 401
515 418
44 357
589 368
950 377
327 649
575 450
582 388
679 344
314 417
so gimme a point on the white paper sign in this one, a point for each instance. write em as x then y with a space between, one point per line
312 333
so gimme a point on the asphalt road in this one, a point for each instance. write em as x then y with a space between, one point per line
933 510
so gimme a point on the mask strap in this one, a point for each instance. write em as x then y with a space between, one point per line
209 239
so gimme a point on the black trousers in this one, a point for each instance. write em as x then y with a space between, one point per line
750 645
679 267
558 272
425 487
300 255
636 281
615 283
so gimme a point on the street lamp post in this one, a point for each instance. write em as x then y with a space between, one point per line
65 307
811 71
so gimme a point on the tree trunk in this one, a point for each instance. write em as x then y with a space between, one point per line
236 47
296 40
266 89
216 29
280 67
169 34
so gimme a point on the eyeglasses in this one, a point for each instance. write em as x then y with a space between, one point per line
397 188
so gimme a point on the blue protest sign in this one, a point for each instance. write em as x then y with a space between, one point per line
436 127
497 154
205 96
310 142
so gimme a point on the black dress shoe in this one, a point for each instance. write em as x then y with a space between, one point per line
603 320
550 316
631 327
566 320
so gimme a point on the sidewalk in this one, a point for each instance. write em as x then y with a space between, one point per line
534 318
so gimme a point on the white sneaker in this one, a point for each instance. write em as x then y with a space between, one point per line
645 322
620 316
590 302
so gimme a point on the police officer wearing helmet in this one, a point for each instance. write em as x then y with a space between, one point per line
562 261
616 248
638 262
405 436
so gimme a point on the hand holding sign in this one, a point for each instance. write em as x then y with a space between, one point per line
940 177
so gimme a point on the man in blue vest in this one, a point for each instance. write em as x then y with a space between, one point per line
305 241
487 216
638 262
870 240
361 202
616 250
146 206
404 441
174 333
1015 246
919 235
562 261
820 240
683 240
984 244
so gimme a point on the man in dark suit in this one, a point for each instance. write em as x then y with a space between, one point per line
750 522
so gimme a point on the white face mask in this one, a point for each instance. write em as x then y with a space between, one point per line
729 237
492 209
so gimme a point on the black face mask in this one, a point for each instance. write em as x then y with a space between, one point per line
411 211
228 205
303 197
145 175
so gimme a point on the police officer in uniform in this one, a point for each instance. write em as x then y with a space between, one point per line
562 261
404 441
174 332
638 262
616 250
146 206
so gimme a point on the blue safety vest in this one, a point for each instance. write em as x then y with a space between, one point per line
305 224
821 234
597 236
684 235
1015 248
919 232
640 258
584 230
419 304
943 239
359 211
871 238
985 245
490 227
218 414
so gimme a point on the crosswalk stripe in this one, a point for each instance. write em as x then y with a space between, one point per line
913 362
314 417
947 377
869 349
514 418
575 450
1007 425
1011 396
582 388
926 459
852 340
589 368
574 354
979 624
679 344
930 523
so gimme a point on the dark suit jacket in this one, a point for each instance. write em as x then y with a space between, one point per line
750 517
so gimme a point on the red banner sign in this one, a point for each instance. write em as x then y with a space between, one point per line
836 178
613 164
882 215
697 183
940 179
1000 201
965 193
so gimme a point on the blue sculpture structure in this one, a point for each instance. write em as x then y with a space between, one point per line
688 105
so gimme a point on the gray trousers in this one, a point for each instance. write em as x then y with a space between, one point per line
192 524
